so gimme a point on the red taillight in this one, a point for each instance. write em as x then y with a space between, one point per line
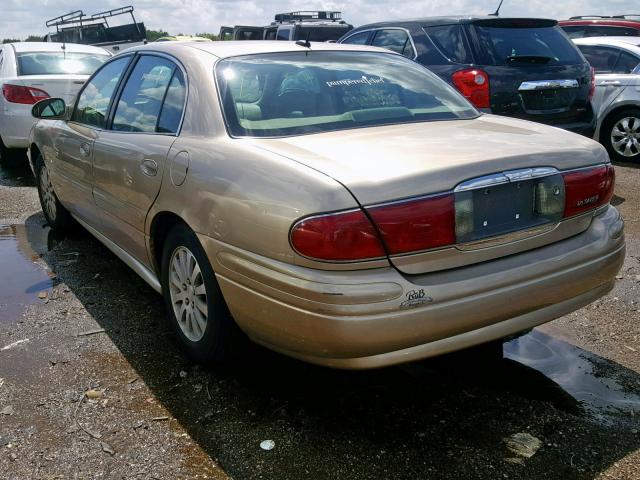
22 94
473 83
592 85
588 189
340 236
415 225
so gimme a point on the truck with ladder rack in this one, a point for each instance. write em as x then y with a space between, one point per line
76 27
314 26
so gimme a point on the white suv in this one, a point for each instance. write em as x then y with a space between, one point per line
616 61
31 71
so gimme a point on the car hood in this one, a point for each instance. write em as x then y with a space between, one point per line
385 163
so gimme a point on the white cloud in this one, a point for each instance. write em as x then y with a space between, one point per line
19 18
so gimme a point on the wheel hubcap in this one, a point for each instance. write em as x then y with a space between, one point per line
48 197
625 137
188 294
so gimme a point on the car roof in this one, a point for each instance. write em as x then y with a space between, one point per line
20 47
232 48
611 22
445 20
628 43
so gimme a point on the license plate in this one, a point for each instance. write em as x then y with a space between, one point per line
508 207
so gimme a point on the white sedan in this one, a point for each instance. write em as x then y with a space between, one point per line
32 71
616 61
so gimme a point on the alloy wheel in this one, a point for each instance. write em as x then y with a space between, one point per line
188 294
625 137
48 196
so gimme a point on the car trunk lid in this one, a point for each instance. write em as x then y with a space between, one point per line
57 86
421 160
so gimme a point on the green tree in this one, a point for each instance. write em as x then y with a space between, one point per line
34 38
10 40
210 36
153 35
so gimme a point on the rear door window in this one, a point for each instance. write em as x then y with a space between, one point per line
505 45
173 105
141 100
451 42
395 40
627 63
359 38
602 59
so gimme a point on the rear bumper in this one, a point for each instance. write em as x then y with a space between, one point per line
15 125
374 318
583 128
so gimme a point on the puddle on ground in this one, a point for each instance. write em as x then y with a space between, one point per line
21 278
603 388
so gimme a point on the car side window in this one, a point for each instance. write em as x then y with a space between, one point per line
95 97
609 30
451 41
284 33
602 59
139 105
173 104
395 40
357 38
626 63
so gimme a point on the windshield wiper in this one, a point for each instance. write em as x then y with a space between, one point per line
529 58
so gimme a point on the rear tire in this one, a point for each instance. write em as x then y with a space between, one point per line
58 217
195 307
620 135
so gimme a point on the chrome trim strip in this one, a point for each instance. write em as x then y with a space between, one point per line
547 84
507 238
482 182
146 274
505 177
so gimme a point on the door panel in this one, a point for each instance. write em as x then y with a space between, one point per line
128 171
72 173
608 87
129 158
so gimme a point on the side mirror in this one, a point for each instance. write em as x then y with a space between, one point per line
50 108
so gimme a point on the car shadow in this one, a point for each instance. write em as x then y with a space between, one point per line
439 418
16 173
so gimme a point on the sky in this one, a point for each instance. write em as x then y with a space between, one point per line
20 18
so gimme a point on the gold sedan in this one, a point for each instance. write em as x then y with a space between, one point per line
336 203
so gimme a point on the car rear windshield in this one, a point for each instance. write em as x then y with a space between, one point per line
526 45
294 93
59 63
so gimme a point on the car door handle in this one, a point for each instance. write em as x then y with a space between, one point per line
85 149
612 83
149 167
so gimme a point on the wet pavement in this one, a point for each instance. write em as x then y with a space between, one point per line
574 384
22 277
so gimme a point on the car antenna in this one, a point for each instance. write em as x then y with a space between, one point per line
497 12
305 43
64 50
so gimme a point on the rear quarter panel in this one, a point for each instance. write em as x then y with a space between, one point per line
234 192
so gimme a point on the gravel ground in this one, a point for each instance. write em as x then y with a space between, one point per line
149 413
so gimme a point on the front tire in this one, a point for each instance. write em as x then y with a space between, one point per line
621 136
195 307
58 217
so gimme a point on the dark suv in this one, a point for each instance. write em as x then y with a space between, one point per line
520 67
